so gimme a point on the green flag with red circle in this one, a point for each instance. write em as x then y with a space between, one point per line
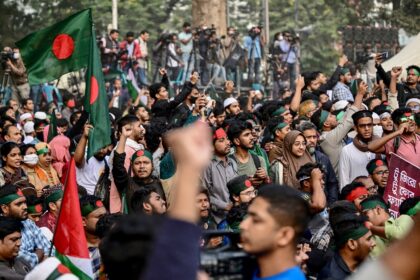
96 101
58 49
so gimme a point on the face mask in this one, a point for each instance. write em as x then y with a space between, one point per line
378 130
16 55
30 159
71 103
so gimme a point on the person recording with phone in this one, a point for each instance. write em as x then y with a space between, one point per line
289 46
404 141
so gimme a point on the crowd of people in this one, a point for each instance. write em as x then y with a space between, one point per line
300 176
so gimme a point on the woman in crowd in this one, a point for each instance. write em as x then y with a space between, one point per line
29 163
44 169
11 171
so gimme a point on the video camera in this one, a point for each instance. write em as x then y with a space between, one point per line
228 262
206 31
4 56
255 31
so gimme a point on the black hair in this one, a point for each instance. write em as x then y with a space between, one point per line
140 196
73 117
186 24
415 67
296 122
361 114
309 77
307 126
62 122
349 188
113 31
287 207
130 34
32 200
128 119
144 32
408 203
316 118
343 223
6 148
154 133
25 101
236 128
105 224
8 226
127 247
6 190
25 147
369 101
306 170
398 113
154 89
5 119
218 109
273 122
6 129
360 177
88 199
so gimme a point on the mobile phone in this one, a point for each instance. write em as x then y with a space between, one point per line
384 55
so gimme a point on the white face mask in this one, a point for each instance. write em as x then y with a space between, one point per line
30 159
16 55
378 130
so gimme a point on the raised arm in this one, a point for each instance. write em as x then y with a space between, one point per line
297 97
119 173
319 200
79 153
378 146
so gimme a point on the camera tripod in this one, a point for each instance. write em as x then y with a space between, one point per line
5 89
193 52
162 55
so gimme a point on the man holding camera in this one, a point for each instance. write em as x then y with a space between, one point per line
18 75
186 40
289 47
254 44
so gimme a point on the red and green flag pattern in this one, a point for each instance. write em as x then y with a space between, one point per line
58 49
96 101
69 238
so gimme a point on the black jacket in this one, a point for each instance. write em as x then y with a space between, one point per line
335 269
331 182
127 184
164 109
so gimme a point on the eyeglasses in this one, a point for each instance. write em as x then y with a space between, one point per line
406 119
297 144
382 172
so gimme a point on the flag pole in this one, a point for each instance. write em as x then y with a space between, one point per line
59 213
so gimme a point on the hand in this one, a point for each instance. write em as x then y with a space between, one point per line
343 60
117 93
268 146
40 254
229 86
127 131
215 241
368 225
192 146
162 71
260 173
194 78
403 127
86 130
362 88
316 174
300 82
396 72
252 94
378 59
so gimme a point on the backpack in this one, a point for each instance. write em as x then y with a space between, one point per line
103 186
276 172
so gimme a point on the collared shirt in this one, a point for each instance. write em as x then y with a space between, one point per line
215 178
409 149
15 270
342 92
335 269
253 47
32 239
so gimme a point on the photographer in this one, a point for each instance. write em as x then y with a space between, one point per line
173 62
132 53
110 51
13 64
289 46
229 44
214 58
186 40
254 43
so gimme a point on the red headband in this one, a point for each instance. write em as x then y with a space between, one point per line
356 193
219 133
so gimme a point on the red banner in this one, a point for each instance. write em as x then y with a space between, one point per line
403 182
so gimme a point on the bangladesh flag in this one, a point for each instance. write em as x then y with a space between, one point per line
132 86
69 238
58 49
96 101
